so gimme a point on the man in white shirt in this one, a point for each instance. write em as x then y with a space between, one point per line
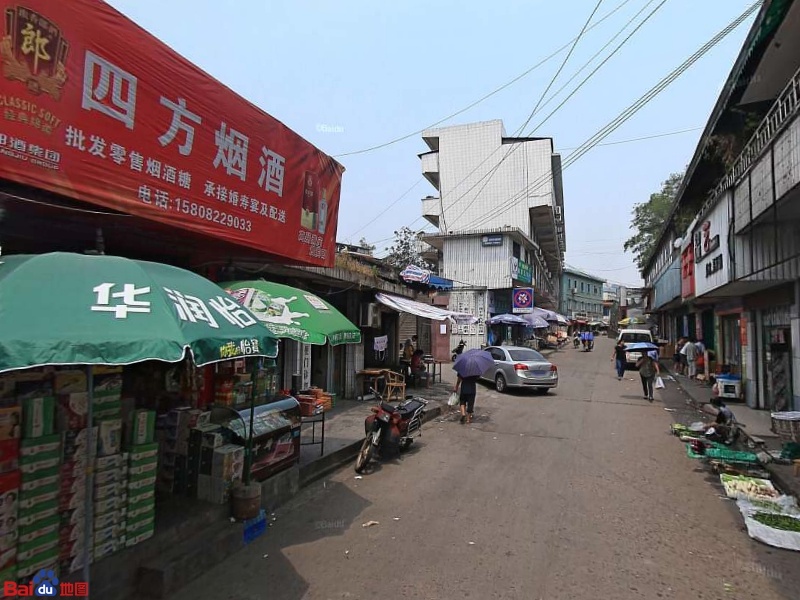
690 352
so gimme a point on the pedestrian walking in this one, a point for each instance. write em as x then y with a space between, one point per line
648 370
690 352
467 388
620 357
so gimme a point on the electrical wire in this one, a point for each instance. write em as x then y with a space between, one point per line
561 68
515 147
487 96
639 139
626 114
385 209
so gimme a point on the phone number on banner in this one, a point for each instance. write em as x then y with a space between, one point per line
211 214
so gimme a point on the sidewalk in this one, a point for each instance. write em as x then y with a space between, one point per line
756 423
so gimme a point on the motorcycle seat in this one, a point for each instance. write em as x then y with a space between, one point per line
409 408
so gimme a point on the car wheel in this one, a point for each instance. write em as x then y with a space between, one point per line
500 383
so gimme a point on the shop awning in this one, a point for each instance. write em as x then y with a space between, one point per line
425 311
293 313
440 283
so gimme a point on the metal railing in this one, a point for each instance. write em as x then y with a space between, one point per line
784 108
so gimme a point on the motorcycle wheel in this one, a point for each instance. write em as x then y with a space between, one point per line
406 444
364 455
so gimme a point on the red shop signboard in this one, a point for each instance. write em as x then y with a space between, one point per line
95 108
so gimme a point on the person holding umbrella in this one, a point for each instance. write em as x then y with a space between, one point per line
469 367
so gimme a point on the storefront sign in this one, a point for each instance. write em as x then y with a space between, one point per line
96 109
743 330
714 266
687 272
704 242
522 300
524 272
492 240
514 268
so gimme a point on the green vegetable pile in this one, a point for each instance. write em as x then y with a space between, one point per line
778 522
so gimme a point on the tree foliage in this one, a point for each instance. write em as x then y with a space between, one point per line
648 220
406 249
366 246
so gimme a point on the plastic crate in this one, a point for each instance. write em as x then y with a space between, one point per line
787 425
731 455
255 528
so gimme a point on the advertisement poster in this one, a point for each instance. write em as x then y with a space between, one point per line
96 109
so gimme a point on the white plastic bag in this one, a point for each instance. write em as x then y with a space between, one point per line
453 399
659 383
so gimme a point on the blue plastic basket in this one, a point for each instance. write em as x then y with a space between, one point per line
254 528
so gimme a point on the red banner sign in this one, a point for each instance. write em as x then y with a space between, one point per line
94 108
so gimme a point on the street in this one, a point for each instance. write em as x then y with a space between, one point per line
581 493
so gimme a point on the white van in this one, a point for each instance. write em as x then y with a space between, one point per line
630 336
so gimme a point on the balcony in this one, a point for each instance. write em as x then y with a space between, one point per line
431 210
430 167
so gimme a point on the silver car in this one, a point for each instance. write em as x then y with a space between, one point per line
519 367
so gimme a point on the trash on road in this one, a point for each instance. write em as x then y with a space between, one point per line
265 556
472 543
671 409
395 518
370 523
359 477
233 520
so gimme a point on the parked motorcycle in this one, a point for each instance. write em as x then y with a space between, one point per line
390 429
458 349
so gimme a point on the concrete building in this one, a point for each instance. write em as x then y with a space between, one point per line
726 269
581 295
500 218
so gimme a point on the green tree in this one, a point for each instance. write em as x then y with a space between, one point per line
366 246
406 249
649 218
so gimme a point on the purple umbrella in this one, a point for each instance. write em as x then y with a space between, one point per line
473 363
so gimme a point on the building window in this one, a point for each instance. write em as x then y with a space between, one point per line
516 250
581 287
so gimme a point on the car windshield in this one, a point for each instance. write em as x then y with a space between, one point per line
630 338
524 354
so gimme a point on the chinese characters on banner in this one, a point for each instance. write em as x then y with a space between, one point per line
94 108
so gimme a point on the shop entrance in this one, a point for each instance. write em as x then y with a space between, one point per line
777 347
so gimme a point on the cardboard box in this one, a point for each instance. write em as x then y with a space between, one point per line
228 462
145 523
108 490
46 464
37 547
108 388
76 446
69 381
212 489
109 437
10 484
143 452
38 416
108 519
149 469
42 512
8 556
139 497
73 411
107 411
213 439
147 482
44 479
10 423
138 539
143 427
9 456
143 508
108 548
50 525
46 560
44 445
30 500
102 478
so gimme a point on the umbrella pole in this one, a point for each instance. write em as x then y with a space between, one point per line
249 461
87 535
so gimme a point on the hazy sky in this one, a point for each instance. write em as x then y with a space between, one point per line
354 74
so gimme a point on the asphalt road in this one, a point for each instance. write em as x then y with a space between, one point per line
578 494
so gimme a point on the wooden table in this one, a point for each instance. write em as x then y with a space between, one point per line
371 378
432 366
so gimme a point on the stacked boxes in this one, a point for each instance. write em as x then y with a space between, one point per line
40 476
142 472
9 518
220 467
76 455
110 501
174 431
200 437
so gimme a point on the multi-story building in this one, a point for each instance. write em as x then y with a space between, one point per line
581 295
500 218
726 269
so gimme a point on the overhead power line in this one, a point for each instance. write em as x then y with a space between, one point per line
595 139
515 147
487 96
385 210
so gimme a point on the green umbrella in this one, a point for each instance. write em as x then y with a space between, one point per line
293 313
70 309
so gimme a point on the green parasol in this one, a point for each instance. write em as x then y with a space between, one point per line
292 313
74 309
